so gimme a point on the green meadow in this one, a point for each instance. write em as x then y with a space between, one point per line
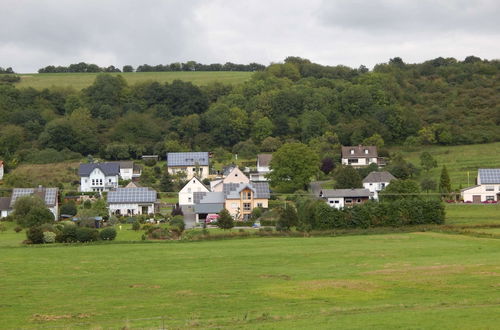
81 80
427 280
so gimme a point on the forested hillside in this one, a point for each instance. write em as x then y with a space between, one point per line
442 101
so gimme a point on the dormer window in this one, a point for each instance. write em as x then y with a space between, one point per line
352 151
366 151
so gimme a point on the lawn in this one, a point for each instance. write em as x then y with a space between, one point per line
82 80
462 161
420 280
472 214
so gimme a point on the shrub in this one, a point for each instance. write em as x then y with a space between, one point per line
35 235
225 220
84 234
49 237
3 227
67 235
108 234
150 162
18 229
69 208
136 225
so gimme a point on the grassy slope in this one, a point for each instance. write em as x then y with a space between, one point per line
459 160
82 80
427 279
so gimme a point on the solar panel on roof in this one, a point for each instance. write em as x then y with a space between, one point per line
489 175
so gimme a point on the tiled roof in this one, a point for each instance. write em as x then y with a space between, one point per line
48 195
337 193
264 159
107 168
187 158
203 197
232 190
208 208
359 151
5 203
124 164
379 177
132 195
489 175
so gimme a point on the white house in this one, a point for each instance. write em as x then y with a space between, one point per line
48 195
377 181
359 156
189 163
487 188
234 176
263 161
1 169
186 193
99 176
128 170
340 198
132 201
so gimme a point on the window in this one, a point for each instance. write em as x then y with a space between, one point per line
490 198
331 202
236 174
109 180
246 207
352 151
336 202
189 199
348 201
353 161
371 184
189 190
93 182
382 185
359 200
86 180
249 195
259 205
366 151
194 169
490 188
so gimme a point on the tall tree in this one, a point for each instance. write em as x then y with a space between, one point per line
346 177
444 181
427 161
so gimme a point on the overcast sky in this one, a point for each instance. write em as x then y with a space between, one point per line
36 33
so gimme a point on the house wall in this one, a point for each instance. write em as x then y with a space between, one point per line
4 213
467 195
126 173
337 203
362 161
236 176
133 207
186 193
235 205
100 183
55 211
375 187
190 171
1 172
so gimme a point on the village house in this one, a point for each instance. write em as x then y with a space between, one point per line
99 176
376 182
132 201
129 170
232 175
189 163
186 193
487 188
359 156
263 161
340 198
238 198
48 195
1 169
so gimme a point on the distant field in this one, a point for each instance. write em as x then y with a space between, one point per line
459 160
82 80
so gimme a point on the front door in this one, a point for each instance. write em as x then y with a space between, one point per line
476 198
144 210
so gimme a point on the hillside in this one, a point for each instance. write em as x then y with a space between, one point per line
81 80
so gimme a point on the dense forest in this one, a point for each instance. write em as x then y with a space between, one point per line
441 101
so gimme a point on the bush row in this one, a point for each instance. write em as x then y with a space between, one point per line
317 215
68 234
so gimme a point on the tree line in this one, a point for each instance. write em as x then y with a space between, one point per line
177 66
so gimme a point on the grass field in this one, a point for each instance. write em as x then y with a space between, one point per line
82 80
425 280
462 161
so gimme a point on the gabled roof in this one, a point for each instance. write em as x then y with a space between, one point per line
132 195
5 203
187 158
264 159
124 164
194 180
232 190
211 197
108 169
359 151
383 176
489 175
48 195
338 193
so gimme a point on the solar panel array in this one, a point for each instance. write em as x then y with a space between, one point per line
187 158
261 189
231 190
132 195
49 194
489 175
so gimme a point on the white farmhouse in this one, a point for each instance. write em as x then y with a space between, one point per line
128 170
487 188
186 193
99 176
376 182
340 198
132 201
48 195
189 163
359 156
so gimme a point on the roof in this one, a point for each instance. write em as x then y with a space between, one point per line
359 151
264 159
383 176
232 190
468 188
107 168
132 195
332 193
210 197
208 208
187 158
124 164
48 195
489 175
133 184
4 203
